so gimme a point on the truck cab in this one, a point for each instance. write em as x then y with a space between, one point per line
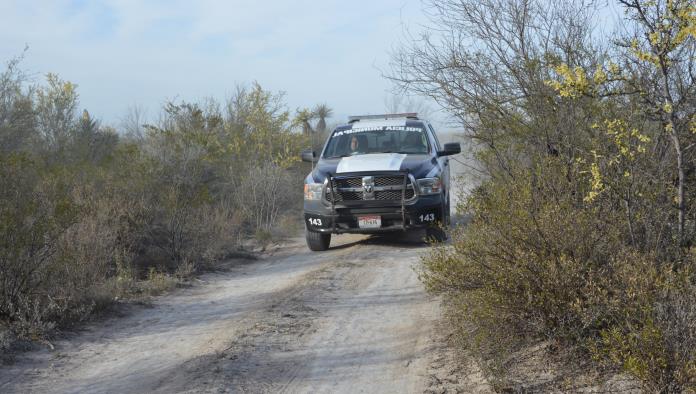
378 173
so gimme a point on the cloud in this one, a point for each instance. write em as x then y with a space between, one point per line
122 52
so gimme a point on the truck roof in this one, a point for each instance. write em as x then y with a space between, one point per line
362 118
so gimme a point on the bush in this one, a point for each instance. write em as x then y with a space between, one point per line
263 194
35 215
85 214
652 333
544 266
584 217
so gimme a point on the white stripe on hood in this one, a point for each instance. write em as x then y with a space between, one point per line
371 162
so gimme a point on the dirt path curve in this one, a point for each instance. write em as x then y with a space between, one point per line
353 319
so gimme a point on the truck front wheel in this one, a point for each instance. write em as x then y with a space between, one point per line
317 241
435 234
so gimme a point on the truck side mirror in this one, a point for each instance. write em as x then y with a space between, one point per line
309 156
451 148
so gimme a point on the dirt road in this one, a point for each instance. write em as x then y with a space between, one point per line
352 319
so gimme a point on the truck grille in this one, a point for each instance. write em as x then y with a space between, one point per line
386 188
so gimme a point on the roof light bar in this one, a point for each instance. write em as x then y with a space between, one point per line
407 115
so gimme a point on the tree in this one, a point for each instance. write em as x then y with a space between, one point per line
322 111
17 120
303 117
659 58
655 71
586 148
55 106
399 103
82 209
486 63
133 122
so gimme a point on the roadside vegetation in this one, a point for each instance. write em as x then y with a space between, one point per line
90 213
583 225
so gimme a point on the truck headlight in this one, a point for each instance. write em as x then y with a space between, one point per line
312 191
429 185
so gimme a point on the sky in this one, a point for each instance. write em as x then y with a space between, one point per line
126 53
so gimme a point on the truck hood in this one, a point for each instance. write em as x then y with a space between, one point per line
419 166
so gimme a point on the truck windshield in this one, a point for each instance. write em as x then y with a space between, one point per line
380 139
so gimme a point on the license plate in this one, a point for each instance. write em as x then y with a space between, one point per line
369 221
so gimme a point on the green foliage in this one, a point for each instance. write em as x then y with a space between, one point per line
85 214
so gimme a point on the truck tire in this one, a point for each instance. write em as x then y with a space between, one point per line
317 241
435 234
446 212
448 215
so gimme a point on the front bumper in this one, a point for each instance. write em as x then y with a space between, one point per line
425 211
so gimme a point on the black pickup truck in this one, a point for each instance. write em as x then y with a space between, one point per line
378 173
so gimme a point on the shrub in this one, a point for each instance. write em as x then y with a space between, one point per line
35 214
652 331
544 266
583 222
85 214
263 194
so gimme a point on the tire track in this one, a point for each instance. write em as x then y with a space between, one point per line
352 319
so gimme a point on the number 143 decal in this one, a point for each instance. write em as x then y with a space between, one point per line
428 217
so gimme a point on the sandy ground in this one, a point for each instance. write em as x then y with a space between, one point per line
349 320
